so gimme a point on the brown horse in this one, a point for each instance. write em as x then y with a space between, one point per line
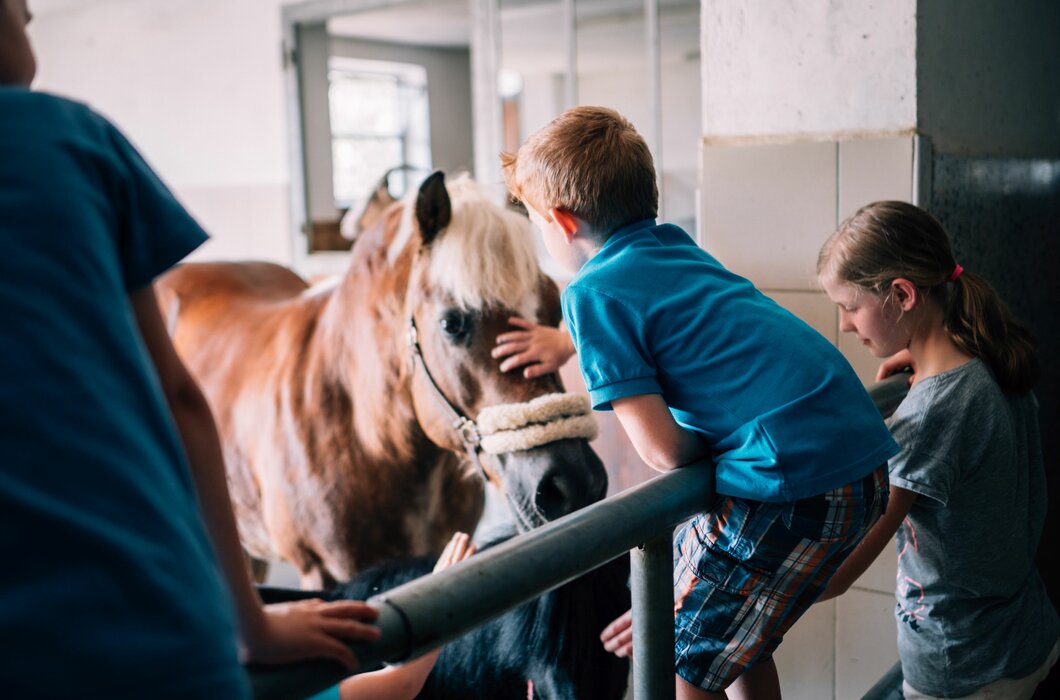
345 409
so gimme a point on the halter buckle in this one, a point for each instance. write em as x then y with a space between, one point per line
468 432
413 337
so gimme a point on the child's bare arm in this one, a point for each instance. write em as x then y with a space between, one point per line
540 350
284 633
406 681
658 439
898 505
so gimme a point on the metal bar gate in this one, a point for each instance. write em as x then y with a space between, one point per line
430 611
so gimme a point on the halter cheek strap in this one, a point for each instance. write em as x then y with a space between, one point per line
465 427
512 427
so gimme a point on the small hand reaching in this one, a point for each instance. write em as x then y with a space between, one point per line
406 681
458 549
540 349
618 636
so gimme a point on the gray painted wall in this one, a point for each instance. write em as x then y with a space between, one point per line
988 96
316 120
1003 215
988 76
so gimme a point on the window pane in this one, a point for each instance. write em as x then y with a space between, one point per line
379 119
359 163
364 104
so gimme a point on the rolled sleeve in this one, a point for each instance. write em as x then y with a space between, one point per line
602 397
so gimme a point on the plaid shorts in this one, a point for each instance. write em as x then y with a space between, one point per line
745 571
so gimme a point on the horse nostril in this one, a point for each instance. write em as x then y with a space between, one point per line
557 495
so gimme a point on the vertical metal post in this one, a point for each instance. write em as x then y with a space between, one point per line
653 618
569 21
486 116
654 65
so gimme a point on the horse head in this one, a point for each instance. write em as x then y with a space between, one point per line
475 267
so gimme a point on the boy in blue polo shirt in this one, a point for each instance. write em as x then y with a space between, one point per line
698 363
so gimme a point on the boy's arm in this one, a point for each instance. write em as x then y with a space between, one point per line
658 439
288 632
875 541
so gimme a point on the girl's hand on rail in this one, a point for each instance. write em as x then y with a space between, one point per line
618 636
898 362
311 628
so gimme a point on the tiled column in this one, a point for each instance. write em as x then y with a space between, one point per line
809 111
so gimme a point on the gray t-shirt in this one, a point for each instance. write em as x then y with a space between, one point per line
972 607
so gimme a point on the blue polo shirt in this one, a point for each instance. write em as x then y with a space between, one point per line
783 412
109 586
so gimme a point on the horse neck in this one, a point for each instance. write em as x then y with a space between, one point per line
363 331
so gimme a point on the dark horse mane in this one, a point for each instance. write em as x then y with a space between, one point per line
552 641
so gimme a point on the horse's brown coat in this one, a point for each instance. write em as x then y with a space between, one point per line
338 452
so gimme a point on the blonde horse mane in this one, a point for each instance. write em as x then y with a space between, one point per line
485 257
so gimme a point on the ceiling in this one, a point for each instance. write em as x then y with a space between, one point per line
608 31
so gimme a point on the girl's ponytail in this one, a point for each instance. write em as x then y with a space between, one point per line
885 241
981 324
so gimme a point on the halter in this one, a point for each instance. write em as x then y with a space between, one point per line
465 428
511 427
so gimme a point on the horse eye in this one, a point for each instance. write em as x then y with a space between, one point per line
455 324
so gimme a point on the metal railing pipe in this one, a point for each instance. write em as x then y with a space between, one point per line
425 613
430 611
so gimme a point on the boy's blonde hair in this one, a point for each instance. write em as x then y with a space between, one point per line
591 162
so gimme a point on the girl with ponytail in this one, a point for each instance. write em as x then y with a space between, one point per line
967 498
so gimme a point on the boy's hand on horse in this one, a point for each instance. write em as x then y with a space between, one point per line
540 349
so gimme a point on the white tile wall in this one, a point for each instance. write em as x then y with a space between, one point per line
806 657
767 209
765 212
864 641
874 169
880 577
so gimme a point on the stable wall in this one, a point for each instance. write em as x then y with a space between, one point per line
988 77
796 69
198 87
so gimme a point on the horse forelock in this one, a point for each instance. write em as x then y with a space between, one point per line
486 255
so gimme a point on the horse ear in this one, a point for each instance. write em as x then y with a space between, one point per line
433 208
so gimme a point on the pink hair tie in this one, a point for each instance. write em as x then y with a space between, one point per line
957 270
